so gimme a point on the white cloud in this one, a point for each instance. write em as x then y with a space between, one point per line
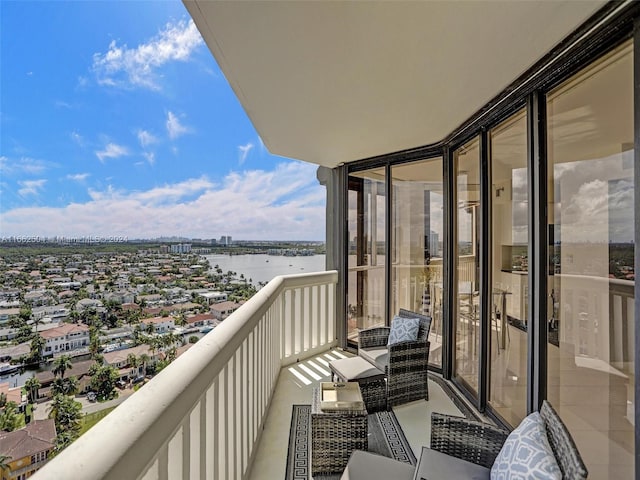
121 66
174 128
151 157
23 165
244 151
31 187
287 203
146 138
112 150
78 177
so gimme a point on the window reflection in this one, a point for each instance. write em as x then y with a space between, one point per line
591 284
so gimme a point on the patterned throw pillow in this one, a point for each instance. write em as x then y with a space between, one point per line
403 330
526 454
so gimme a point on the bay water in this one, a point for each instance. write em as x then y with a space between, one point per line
262 267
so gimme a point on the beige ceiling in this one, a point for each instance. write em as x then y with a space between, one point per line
330 82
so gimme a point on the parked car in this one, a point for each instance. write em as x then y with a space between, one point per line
138 379
92 397
121 384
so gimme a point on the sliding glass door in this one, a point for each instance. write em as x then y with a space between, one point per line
591 377
508 299
467 312
366 290
416 244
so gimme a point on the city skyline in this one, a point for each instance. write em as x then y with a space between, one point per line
114 128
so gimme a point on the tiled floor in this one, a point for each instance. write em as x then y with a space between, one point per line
295 386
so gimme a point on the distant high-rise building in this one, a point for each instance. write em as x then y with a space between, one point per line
225 240
181 248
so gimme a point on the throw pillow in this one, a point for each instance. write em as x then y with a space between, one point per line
403 330
526 454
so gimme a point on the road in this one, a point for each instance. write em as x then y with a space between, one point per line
41 410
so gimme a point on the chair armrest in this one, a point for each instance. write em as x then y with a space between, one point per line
469 440
373 337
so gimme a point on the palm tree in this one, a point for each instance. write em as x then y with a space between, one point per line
134 362
144 359
64 386
37 344
32 385
67 414
61 364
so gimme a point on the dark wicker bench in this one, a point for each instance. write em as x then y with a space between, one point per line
462 448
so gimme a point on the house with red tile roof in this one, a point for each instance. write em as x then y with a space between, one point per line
27 449
65 338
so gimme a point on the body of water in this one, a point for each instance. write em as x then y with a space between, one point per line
262 268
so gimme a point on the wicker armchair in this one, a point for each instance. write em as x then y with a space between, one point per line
480 443
463 448
404 364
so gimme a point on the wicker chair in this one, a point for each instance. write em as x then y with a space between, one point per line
404 364
463 448
480 443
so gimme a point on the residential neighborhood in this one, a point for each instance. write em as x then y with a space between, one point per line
81 327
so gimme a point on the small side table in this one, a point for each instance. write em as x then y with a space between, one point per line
334 436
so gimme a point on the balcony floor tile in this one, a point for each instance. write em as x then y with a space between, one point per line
295 386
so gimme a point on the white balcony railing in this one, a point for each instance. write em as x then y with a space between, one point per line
202 416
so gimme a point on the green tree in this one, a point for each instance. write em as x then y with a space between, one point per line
32 385
193 339
103 381
37 345
10 418
67 415
144 359
133 361
25 313
61 364
63 440
64 386
25 334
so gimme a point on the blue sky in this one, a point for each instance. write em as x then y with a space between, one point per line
115 120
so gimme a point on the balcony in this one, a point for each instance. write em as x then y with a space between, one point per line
222 410
204 415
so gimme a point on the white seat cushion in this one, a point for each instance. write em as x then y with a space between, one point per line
354 368
367 466
376 356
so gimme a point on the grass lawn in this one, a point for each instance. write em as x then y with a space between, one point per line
90 419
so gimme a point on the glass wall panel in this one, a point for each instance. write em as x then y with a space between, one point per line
416 244
509 269
591 284
366 306
467 320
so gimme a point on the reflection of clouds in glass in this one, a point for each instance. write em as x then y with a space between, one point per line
519 184
595 201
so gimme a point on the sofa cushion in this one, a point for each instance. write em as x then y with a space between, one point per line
365 466
403 330
435 465
526 453
376 356
354 368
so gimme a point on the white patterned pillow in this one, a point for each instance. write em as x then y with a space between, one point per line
526 454
403 330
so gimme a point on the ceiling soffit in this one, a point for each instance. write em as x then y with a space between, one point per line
334 82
